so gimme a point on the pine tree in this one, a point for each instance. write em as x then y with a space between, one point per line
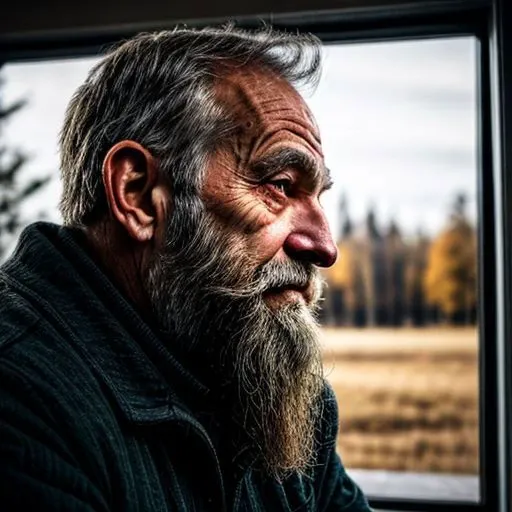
12 193
417 253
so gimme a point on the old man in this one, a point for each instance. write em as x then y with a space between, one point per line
159 351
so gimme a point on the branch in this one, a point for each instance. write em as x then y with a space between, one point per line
7 174
30 189
6 112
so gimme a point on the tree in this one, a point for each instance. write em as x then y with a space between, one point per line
345 221
450 279
417 253
12 193
394 275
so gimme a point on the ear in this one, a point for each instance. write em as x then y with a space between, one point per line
135 194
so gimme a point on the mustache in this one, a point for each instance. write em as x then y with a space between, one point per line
286 274
272 275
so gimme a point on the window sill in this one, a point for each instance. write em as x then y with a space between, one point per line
421 486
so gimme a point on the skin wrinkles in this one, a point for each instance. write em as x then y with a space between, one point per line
291 130
238 207
265 110
313 177
277 138
294 122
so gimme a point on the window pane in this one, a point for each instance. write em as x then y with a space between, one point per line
398 124
32 131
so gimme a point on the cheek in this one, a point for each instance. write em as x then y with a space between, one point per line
242 215
268 241
245 211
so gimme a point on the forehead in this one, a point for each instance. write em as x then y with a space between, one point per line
259 98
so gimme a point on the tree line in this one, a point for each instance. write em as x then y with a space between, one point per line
382 278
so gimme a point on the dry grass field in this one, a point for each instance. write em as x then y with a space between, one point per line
408 398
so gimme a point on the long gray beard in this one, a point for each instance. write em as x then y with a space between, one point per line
204 289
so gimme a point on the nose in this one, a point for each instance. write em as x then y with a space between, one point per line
312 241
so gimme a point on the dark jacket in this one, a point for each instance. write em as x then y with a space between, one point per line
89 423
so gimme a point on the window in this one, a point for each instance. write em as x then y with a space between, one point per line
398 124
32 131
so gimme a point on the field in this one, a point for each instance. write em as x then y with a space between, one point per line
408 398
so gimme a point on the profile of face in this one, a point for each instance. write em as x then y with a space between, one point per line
241 280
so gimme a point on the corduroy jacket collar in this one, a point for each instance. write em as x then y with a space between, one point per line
53 271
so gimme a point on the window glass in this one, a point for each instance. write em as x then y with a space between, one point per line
41 90
398 123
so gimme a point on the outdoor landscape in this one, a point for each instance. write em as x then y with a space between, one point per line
408 398
400 338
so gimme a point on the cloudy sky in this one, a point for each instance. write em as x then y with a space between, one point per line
398 123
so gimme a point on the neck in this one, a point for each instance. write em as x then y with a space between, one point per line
121 262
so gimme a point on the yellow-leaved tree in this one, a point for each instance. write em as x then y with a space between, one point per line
341 274
451 277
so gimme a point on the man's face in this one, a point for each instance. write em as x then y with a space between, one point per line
266 182
238 280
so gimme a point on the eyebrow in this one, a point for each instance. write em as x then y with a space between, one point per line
285 158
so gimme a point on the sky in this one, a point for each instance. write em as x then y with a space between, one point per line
397 121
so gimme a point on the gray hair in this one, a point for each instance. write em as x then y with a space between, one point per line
158 90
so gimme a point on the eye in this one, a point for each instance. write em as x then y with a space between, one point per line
284 186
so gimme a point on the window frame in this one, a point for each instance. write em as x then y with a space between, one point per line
485 19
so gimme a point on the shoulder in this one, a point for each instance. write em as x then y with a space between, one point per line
335 489
17 316
30 342
41 373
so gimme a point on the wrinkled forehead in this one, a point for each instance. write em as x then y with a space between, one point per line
258 97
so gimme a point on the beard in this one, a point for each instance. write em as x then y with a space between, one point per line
208 293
